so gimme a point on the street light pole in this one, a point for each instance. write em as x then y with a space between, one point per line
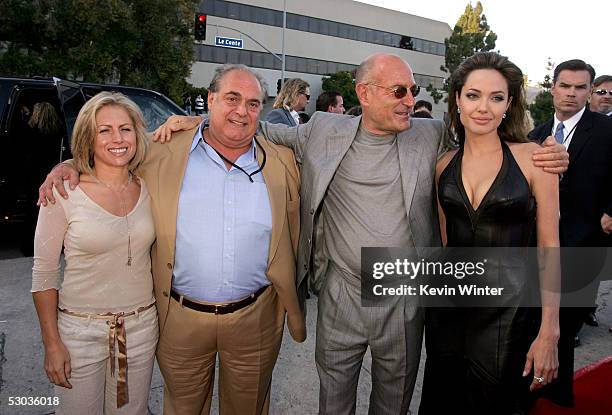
283 47
250 37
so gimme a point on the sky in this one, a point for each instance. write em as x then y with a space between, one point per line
531 31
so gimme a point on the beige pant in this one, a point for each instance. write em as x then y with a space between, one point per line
94 390
247 342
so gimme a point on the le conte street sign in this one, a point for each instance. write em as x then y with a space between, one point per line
228 42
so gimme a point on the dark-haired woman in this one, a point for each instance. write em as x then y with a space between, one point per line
485 360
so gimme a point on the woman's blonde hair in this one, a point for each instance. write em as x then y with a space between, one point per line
290 93
85 130
44 118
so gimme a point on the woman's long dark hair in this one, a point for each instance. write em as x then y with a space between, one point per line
513 128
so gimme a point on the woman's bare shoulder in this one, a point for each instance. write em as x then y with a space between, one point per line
523 148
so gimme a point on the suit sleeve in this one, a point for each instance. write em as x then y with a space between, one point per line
295 138
540 133
276 117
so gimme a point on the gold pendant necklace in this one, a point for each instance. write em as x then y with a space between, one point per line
123 208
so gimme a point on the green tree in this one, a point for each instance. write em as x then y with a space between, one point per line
541 109
471 34
343 83
144 43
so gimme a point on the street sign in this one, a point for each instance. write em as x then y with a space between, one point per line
228 42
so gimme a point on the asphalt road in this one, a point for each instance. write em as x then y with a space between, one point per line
295 382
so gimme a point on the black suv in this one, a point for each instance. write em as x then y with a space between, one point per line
30 152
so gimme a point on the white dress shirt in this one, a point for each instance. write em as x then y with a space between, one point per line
569 126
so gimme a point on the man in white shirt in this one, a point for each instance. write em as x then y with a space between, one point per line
585 202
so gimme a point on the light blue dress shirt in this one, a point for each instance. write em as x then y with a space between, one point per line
223 227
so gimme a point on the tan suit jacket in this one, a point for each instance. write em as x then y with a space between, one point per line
163 171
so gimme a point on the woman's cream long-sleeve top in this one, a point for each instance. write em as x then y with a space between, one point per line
97 278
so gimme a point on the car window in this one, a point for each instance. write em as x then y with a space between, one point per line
155 111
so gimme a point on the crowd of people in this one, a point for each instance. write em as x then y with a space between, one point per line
200 244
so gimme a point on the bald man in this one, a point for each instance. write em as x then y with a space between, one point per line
366 181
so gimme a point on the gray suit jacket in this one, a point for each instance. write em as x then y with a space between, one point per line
319 147
280 116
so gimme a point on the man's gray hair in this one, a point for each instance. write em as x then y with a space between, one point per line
223 70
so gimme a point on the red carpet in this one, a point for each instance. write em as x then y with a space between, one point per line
592 392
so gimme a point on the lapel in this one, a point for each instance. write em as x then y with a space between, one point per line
274 176
581 136
546 130
409 151
336 146
290 118
170 178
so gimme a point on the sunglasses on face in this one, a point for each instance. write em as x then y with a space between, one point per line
602 92
306 95
400 92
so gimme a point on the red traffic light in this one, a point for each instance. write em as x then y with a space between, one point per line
199 30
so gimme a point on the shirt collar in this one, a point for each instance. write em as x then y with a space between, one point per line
570 123
250 156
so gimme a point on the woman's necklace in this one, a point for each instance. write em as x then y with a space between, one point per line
119 193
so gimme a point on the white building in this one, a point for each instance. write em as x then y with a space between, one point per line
322 37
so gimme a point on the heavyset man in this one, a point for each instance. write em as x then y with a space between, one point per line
225 205
366 181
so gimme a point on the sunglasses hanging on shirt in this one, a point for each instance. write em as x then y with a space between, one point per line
249 175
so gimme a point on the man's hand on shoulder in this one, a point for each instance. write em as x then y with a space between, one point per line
552 156
175 123
61 172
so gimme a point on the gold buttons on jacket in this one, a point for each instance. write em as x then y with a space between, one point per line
169 265
165 293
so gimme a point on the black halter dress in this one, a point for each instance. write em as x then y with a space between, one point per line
476 355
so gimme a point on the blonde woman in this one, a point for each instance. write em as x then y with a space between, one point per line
290 101
99 326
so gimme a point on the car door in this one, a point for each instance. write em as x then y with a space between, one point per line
71 98
31 145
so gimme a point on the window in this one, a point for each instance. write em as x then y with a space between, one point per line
257 60
265 60
233 56
270 17
292 21
233 11
324 27
268 61
314 25
291 63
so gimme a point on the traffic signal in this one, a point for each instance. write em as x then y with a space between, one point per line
279 84
199 32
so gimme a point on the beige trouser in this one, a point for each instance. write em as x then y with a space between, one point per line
247 342
94 390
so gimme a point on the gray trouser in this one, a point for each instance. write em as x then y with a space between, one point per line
345 329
